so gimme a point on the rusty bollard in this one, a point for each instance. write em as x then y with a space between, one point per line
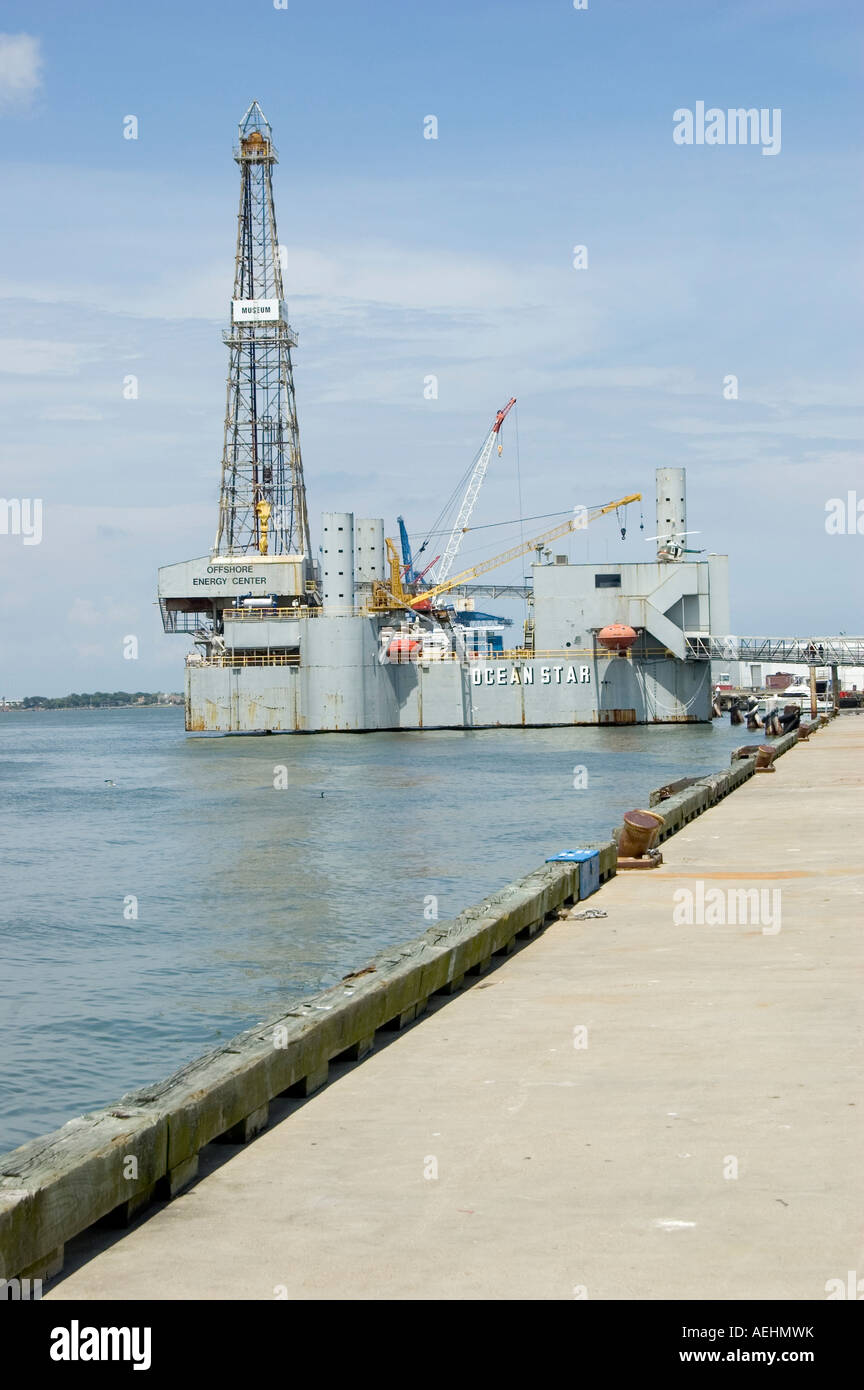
763 752
636 839
749 750
765 756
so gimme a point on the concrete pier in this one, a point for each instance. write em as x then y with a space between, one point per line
627 1107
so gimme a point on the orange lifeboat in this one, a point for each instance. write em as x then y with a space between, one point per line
403 649
617 637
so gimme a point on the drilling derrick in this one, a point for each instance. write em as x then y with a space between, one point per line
262 504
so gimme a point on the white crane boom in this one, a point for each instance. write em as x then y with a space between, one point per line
476 481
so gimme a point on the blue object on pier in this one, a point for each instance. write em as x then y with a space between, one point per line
589 868
573 856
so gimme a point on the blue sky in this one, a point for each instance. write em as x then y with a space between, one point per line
408 257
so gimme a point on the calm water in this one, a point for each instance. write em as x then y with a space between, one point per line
248 896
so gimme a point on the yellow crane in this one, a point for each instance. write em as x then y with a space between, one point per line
577 522
397 588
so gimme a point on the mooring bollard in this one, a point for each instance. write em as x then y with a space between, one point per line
746 750
636 838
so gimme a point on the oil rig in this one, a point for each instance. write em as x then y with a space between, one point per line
357 637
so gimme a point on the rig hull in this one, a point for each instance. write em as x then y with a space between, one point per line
335 682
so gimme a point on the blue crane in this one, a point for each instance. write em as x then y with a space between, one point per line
407 560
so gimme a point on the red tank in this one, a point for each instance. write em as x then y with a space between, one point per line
617 637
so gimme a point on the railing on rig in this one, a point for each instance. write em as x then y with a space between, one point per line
567 656
244 659
233 615
563 654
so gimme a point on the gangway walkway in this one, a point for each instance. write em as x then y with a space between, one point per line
804 651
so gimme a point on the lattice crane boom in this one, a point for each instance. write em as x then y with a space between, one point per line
475 483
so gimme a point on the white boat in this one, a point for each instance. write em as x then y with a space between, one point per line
794 694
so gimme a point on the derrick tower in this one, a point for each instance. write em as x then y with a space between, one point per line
262 503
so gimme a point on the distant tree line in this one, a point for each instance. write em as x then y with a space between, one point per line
99 699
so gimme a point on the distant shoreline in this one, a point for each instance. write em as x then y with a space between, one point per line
66 703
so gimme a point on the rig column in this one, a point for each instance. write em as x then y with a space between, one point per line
337 567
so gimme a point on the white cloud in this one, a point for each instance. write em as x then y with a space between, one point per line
85 613
38 357
72 412
338 285
20 69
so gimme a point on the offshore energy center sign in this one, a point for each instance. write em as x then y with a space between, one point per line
221 575
212 575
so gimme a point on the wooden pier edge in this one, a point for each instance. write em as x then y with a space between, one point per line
108 1165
